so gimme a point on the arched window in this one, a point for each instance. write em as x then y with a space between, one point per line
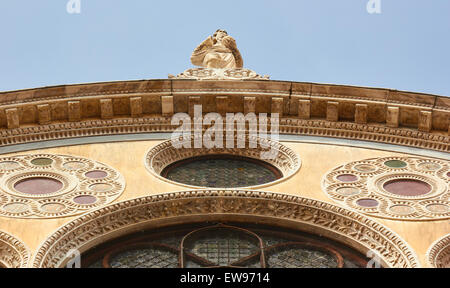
223 245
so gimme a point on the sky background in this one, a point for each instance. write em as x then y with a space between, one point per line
406 47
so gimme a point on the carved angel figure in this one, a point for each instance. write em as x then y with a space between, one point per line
218 51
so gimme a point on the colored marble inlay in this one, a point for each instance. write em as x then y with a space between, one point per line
348 191
42 161
47 185
16 208
53 207
396 164
369 203
429 166
402 209
407 187
85 200
9 165
96 174
101 187
367 168
222 172
74 165
438 208
347 178
38 186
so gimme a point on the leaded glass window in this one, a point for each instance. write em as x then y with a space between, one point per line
223 245
222 171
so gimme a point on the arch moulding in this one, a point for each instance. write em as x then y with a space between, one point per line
13 253
293 212
438 255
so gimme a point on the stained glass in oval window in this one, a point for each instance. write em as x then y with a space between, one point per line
222 171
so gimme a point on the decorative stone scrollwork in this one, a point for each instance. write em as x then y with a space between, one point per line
219 74
439 254
13 253
218 205
402 188
165 154
50 186
292 126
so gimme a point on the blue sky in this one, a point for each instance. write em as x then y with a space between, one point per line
406 47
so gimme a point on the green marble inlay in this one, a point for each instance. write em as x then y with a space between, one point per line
395 164
42 161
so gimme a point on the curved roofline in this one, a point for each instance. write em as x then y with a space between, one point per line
157 79
145 106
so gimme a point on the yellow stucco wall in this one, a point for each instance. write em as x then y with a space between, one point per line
128 158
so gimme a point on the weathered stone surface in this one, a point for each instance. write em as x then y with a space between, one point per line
12 118
74 111
89 102
425 121
193 100
219 58
136 106
106 106
249 105
304 109
361 113
222 104
44 114
277 106
167 105
333 111
218 51
392 116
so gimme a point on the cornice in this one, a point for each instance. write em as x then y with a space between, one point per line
356 113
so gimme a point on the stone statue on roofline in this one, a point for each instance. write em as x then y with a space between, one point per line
219 59
218 51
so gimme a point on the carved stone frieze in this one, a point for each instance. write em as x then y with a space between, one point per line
400 188
220 74
115 220
13 253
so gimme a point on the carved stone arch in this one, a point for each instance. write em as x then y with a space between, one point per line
308 215
13 253
438 255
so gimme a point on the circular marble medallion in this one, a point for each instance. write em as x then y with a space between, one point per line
403 188
49 186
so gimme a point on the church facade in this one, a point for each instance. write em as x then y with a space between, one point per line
89 174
